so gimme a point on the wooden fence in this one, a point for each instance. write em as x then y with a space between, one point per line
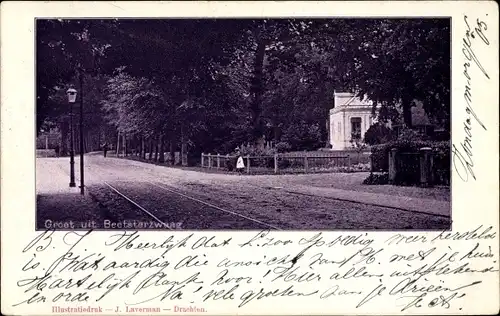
298 162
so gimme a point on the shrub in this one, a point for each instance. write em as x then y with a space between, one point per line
360 167
380 157
378 134
255 151
283 147
377 179
265 162
283 163
410 135
231 164
303 135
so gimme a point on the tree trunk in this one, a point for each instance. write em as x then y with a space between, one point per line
276 133
161 159
156 147
125 145
118 145
137 146
183 152
143 148
327 126
89 143
172 151
406 103
85 143
257 91
101 138
150 157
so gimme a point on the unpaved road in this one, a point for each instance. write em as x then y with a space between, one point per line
212 201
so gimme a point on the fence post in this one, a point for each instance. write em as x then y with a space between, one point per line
209 161
426 167
248 164
202 165
275 163
218 161
392 165
306 164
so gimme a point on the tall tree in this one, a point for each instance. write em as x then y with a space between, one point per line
399 60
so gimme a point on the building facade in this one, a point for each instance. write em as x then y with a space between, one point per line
350 118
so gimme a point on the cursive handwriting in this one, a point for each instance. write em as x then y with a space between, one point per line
462 154
410 271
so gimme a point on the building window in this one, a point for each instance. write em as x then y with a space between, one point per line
356 128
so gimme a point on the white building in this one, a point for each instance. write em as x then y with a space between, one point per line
349 119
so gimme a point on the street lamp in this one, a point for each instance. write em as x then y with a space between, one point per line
82 177
71 99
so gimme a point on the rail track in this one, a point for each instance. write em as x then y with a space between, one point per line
164 187
117 188
193 205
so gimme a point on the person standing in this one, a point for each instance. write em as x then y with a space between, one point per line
105 149
240 163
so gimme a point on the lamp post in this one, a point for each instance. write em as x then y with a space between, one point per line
82 185
71 99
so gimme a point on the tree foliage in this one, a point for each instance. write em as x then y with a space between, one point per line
215 84
398 61
378 133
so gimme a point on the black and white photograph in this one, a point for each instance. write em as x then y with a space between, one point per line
243 123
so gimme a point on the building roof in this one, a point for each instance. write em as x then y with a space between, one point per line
345 100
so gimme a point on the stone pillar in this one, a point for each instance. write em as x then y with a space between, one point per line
209 161
392 165
202 165
426 166
218 161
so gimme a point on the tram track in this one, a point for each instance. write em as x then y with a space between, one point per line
212 208
166 205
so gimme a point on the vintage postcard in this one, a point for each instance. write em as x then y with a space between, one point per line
250 158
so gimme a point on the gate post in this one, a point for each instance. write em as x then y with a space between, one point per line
392 165
426 166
